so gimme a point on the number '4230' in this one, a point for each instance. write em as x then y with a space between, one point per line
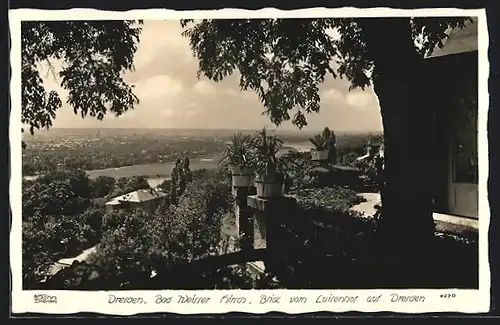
447 295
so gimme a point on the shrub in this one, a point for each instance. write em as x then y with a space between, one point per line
236 277
370 173
48 238
135 243
298 165
335 247
331 199
122 253
102 186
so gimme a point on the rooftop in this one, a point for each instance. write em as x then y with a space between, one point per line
138 196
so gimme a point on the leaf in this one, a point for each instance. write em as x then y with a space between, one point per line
95 54
285 60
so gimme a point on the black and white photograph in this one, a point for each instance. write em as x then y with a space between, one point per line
181 153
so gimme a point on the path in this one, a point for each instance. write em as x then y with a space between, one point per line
368 210
65 262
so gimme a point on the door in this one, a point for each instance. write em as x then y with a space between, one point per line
463 178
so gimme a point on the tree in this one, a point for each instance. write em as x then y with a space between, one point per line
102 186
124 185
186 165
285 60
122 254
94 54
136 243
67 193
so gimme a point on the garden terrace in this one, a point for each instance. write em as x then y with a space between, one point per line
324 244
310 238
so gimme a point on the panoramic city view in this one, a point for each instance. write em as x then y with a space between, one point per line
250 154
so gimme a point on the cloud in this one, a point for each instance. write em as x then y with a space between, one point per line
171 95
167 112
331 94
191 112
360 99
231 92
158 87
205 87
159 37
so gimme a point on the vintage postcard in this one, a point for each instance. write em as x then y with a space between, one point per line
205 162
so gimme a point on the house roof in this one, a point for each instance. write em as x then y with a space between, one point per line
137 196
459 40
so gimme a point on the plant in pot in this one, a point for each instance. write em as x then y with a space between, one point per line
324 146
270 168
238 156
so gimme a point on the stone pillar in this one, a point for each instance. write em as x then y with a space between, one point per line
244 217
270 217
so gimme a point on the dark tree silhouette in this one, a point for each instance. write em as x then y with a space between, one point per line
285 60
94 53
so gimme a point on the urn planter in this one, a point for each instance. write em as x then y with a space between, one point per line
241 176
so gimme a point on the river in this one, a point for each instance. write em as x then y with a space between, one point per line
156 173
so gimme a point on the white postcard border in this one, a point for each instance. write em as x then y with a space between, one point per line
464 301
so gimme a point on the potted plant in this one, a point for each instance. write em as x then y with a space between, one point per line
325 145
270 180
238 156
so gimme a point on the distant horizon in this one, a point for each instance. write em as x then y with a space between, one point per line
276 129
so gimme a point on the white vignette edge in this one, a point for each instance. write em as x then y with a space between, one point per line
467 301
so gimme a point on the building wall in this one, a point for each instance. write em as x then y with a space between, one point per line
449 79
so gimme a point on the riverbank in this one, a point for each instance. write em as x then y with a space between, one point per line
156 173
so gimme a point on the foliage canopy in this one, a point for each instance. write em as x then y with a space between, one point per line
94 56
285 60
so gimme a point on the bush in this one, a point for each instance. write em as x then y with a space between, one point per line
336 227
234 277
331 246
123 251
298 165
47 239
330 199
135 243
103 186
370 174
318 177
60 218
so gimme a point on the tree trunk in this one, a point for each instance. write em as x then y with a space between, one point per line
406 226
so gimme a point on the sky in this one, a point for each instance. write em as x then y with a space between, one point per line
171 95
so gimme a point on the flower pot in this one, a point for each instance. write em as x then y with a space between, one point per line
269 189
242 176
319 155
